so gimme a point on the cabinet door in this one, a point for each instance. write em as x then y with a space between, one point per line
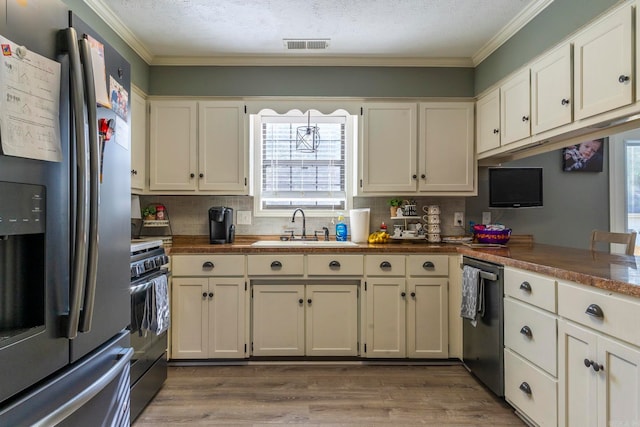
172 145
618 383
446 147
223 155
603 65
577 382
551 90
427 318
514 108
488 121
332 320
278 320
386 317
388 152
138 140
226 318
189 318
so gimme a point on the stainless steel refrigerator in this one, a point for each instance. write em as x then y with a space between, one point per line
64 236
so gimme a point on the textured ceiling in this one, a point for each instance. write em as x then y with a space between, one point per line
355 28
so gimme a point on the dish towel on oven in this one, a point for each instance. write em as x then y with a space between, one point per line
156 317
472 294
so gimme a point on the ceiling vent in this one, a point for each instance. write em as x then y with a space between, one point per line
306 44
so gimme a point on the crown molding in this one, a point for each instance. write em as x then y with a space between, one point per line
515 25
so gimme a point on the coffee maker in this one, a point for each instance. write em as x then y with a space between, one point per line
221 227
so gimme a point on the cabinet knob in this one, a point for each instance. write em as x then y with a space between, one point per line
309 301
525 387
210 294
525 118
276 264
192 175
300 301
525 286
204 295
413 294
565 101
201 175
428 265
623 78
496 131
594 365
334 264
385 264
403 294
414 176
526 331
423 176
594 310
208 265
134 172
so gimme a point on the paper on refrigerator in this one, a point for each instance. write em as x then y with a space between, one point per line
29 104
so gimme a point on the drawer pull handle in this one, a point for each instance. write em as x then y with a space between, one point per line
594 310
525 387
594 365
428 265
334 264
525 286
276 264
385 264
526 331
207 265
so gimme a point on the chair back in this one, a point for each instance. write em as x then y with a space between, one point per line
628 239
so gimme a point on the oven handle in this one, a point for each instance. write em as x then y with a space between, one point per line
134 289
489 276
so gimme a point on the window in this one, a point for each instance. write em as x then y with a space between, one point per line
287 178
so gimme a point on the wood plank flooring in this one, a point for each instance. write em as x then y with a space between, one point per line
337 395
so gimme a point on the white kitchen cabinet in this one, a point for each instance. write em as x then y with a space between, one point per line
389 148
172 145
198 146
551 100
488 121
223 154
515 108
446 155
208 318
138 140
427 318
386 317
603 64
299 319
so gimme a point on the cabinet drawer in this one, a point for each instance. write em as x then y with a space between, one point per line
428 265
531 288
334 265
207 265
531 333
275 265
385 265
619 314
541 403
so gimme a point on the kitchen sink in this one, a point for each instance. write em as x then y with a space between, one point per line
302 243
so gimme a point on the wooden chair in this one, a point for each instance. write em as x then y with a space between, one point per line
628 239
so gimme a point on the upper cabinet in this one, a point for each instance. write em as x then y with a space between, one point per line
551 90
198 146
138 140
488 121
406 152
515 108
603 65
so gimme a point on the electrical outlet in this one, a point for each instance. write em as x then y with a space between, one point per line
243 218
486 217
458 218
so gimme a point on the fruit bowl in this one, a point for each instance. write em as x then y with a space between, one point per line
485 235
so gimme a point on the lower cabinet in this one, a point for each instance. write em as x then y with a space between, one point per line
208 318
386 317
304 319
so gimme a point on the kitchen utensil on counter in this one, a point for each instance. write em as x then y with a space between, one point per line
221 227
433 237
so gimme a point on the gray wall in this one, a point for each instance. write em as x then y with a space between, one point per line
574 203
139 68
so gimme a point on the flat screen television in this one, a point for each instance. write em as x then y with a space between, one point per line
515 187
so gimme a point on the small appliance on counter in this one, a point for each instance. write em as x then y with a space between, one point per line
221 227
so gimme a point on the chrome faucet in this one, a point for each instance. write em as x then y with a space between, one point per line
304 222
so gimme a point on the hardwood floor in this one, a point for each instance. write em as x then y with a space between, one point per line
338 395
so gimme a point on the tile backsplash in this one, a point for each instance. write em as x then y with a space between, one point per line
189 214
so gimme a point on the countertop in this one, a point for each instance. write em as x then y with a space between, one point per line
611 272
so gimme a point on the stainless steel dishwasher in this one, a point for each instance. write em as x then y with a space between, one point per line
483 344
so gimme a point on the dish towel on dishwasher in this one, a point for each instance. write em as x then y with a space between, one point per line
156 316
472 294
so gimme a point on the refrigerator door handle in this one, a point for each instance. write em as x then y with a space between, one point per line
94 187
81 192
72 405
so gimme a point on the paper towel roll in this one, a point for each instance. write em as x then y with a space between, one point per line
359 219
